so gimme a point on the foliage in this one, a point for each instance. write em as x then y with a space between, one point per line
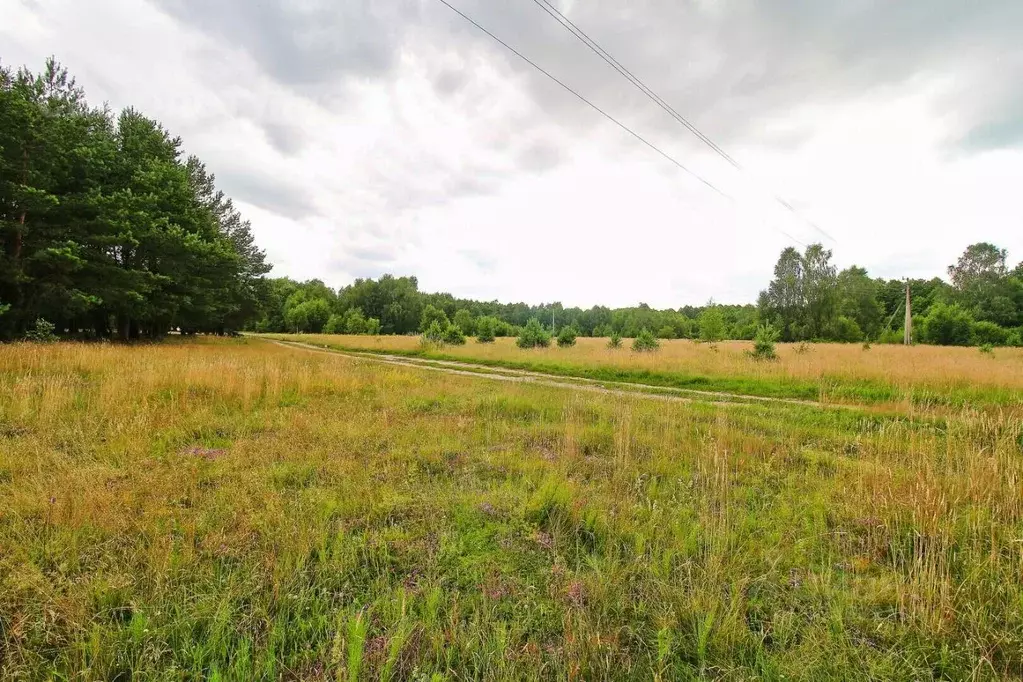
566 337
431 315
106 227
666 332
987 349
486 329
335 325
947 325
846 330
712 325
615 341
463 320
453 335
763 343
434 333
533 335
645 342
989 333
41 332
373 327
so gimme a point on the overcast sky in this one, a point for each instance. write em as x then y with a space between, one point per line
363 137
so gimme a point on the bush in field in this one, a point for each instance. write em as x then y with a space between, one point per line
463 320
486 329
41 332
666 332
567 336
434 334
1015 338
615 341
335 325
503 329
763 343
602 330
987 349
891 336
453 335
846 330
947 325
533 335
645 342
989 333
712 325
373 326
355 322
433 314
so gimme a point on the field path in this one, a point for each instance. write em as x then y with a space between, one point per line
653 392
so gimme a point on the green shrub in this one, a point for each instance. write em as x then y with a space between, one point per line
891 336
989 333
464 321
1015 338
453 335
666 332
846 330
947 325
486 329
567 336
355 322
712 325
434 334
41 332
615 341
602 331
335 325
433 314
373 326
533 336
987 349
763 343
645 342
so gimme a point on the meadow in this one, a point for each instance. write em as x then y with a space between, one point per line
914 377
219 509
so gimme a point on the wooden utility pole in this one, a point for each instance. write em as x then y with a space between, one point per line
908 337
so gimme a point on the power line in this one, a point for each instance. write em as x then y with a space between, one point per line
614 63
603 113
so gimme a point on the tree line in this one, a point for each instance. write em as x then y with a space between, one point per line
106 228
980 304
808 300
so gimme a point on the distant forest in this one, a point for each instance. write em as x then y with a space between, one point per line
109 232
808 300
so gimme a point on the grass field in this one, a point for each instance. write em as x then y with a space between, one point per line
913 377
238 510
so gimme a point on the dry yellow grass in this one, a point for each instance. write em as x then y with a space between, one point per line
936 369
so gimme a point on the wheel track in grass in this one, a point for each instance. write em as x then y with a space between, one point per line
663 393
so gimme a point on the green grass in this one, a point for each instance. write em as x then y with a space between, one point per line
239 511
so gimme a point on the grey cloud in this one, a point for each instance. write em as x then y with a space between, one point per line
285 138
726 65
539 156
308 43
450 81
268 193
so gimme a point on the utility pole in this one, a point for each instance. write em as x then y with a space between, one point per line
908 338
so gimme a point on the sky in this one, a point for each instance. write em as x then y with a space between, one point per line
363 137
